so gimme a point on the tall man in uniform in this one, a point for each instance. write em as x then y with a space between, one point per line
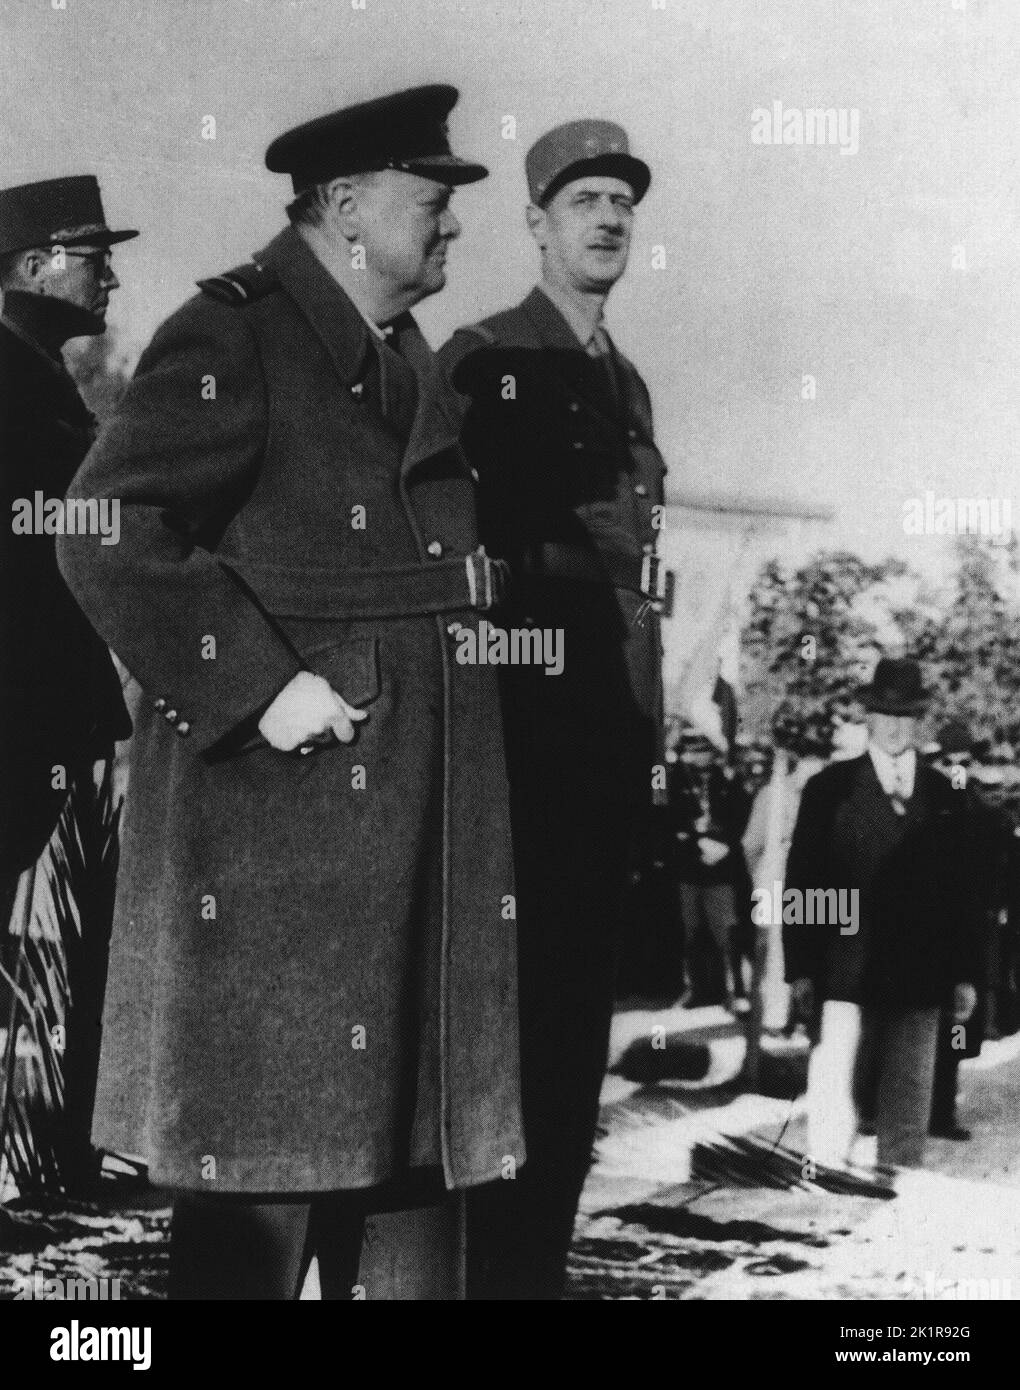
61 708
558 426
314 1011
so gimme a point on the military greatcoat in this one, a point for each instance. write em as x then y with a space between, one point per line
313 978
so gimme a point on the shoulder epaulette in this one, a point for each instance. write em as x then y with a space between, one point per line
480 331
244 285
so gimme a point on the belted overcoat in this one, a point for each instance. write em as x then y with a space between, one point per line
313 972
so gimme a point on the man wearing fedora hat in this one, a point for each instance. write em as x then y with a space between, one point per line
61 708
892 833
313 1012
558 426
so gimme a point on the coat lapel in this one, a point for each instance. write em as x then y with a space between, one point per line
551 328
436 425
330 313
884 817
578 372
344 334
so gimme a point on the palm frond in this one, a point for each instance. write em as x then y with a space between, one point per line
56 988
746 1160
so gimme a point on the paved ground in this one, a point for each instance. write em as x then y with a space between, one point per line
665 1216
676 1210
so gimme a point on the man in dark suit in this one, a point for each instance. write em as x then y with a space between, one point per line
890 834
558 426
313 1005
709 811
990 834
61 708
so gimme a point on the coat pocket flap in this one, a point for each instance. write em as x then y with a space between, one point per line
352 668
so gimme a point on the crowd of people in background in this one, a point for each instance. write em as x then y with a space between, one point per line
732 815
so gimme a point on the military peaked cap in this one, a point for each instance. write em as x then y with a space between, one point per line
583 147
55 212
404 131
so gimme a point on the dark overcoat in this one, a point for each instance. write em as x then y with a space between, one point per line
916 876
313 973
60 696
569 479
728 807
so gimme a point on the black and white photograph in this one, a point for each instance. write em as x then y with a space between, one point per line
510 689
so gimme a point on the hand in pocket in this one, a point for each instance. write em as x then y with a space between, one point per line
306 709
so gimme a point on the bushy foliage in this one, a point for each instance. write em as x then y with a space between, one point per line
813 635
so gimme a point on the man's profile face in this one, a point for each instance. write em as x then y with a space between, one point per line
405 225
584 231
892 733
79 275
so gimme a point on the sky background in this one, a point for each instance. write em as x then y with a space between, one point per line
780 261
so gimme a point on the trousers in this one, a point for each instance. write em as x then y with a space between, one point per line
877 1061
571 861
714 907
242 1248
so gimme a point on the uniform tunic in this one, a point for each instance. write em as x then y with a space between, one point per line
569 479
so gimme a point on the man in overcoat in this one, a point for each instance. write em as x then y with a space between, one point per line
61 696
889 836
315 1011
558 426
61 709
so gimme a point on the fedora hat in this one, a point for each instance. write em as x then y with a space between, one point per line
895 688
953 737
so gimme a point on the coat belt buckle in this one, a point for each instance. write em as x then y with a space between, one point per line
658 584
487 579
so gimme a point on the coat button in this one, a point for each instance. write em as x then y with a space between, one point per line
184 728
632 434
170 716
649 547
453 628
640 490
574 405
578 444
435 549
159 706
